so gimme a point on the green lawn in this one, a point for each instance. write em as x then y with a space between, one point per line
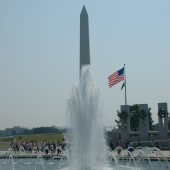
39 137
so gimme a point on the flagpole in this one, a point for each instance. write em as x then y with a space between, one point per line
125 86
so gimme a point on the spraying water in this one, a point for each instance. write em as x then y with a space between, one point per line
84 107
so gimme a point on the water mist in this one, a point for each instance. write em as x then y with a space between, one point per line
84 106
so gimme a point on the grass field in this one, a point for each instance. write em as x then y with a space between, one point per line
5 141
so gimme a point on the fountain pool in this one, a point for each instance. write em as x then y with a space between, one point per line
51 164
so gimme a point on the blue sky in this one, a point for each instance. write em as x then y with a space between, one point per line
39 56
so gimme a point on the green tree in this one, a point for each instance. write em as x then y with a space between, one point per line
134 118
118 123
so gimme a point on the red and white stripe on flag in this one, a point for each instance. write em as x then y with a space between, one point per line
116 77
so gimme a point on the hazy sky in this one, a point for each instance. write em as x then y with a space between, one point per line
39 56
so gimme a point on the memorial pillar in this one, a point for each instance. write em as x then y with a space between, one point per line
143 122
125 124
163 120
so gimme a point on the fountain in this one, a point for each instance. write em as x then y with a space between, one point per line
85 122
12 161
40 162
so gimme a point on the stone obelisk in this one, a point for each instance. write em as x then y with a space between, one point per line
84 39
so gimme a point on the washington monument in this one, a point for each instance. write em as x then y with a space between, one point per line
84 39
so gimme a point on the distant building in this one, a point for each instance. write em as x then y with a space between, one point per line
1 133
16 130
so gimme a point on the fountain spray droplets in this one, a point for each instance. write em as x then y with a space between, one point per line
85 122
12 161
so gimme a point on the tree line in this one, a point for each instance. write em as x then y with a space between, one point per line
40 130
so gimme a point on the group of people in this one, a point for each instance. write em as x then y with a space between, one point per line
54 147
33 146
118 148
130 147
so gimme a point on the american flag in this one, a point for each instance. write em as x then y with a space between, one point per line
116 77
